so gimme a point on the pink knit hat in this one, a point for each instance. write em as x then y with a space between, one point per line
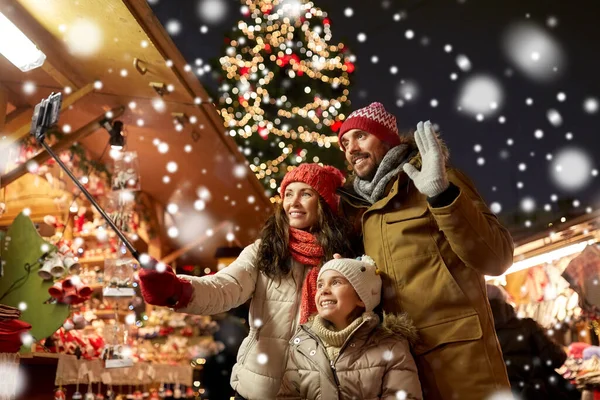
375 120
325 180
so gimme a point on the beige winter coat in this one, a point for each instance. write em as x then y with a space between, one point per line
374 363
274 310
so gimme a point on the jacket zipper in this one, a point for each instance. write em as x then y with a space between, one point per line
335 377
331 362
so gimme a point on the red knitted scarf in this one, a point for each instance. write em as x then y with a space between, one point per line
306 249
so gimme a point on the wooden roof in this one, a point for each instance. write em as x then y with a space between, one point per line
129 36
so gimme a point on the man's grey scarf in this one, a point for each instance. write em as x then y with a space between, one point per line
390 166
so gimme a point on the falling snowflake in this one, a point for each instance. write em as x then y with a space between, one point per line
590 105
528 205
214 11
84 38
533 50
571 169
172 167
554 117
480 94
262 358
408 90
496 208
463 63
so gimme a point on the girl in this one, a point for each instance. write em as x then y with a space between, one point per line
344 352
279 272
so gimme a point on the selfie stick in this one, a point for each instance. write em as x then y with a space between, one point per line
39 129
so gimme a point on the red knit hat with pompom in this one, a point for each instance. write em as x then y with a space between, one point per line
325 180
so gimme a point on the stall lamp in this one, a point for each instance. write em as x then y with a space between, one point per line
115 130
17 47
545 258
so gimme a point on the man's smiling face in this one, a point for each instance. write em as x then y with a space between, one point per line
364 152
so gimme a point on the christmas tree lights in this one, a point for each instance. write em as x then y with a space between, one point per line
285 87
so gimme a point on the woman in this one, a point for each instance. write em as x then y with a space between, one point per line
279 272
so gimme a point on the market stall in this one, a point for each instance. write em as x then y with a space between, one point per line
555 280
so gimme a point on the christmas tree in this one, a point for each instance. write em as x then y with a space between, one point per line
284 89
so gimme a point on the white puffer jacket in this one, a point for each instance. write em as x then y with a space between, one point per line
273 318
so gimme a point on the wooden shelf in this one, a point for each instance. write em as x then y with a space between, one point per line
96 259
111 313
92 235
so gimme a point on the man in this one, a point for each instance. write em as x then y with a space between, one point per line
430 231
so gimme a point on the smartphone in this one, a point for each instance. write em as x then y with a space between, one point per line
45 114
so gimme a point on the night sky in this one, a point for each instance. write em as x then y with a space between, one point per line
558 45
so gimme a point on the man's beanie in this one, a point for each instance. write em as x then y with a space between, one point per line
362 274
375 120
325 180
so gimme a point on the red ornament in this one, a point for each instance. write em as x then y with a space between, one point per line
59 395
336 126
263 132
349 67
244 71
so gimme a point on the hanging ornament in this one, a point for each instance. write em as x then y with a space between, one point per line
154 394
349 67
177 392
161 391
263 132
59 394
189 393
77 396
168 393
89 396
110 395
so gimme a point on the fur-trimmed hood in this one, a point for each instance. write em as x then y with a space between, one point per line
401 324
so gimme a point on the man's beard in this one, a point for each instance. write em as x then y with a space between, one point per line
369 175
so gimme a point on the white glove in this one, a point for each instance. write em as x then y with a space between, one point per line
431 180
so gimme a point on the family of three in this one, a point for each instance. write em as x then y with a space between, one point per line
410 321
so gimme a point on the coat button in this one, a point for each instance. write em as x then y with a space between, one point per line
352 344
297 340
313 352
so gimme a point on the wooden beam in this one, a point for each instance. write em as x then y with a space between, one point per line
57 75
178 253
3 107
42 157
20 125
